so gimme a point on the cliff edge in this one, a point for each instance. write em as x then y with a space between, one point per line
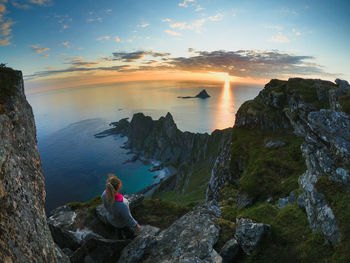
25 236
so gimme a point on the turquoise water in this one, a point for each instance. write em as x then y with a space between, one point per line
76 164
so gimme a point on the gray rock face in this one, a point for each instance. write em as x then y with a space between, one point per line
25 236
327 144
229 251
99 250
163 141
137 248
274 144
61 256
327 139
284 202
221 173
249 234
189 239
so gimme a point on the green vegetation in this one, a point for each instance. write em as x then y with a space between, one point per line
227 232
345 103
158 213
194 184
266 172
339 200
8 80
91 205
291 239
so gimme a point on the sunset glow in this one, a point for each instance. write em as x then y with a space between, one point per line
60 44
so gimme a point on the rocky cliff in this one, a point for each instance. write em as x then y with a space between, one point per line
192 154
24 233
264 166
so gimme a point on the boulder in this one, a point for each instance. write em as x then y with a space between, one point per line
249 234
343 84
99 250
284 202
189 239
229 251
134 251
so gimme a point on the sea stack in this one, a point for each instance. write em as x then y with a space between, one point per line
203 94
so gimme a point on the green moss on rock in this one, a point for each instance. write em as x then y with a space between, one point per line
345 103
91 205
158 212
265 172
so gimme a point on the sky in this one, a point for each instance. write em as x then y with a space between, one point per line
68 43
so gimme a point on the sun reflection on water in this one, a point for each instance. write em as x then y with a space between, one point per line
226 104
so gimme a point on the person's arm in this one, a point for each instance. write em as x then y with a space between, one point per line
128 219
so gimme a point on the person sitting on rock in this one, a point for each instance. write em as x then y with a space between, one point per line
117 206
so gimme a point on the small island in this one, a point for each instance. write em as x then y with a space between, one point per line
201 95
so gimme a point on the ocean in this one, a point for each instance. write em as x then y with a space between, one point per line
76 164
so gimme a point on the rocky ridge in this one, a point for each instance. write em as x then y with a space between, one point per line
311 109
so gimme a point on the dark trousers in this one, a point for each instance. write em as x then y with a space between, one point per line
125 233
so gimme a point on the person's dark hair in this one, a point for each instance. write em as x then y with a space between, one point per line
113 185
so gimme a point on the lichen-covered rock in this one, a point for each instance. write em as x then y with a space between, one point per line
137 248
25 235
284 202
249 234
229 251
221 173
189 239
71 228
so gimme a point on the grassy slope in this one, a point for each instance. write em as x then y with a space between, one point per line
274 173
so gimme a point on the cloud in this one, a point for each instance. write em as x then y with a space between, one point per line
172 33
133 56
217 17
39 50
117 39
19 5
297 33
143 25
40 2
186 3
97 19
104 38
45 55
168 20
77 62
119 68
199 8
274 27
190 49
66 44
279 38
108 11
196 25
5 41
2 8
240 63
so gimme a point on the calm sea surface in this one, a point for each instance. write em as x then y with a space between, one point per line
76 164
